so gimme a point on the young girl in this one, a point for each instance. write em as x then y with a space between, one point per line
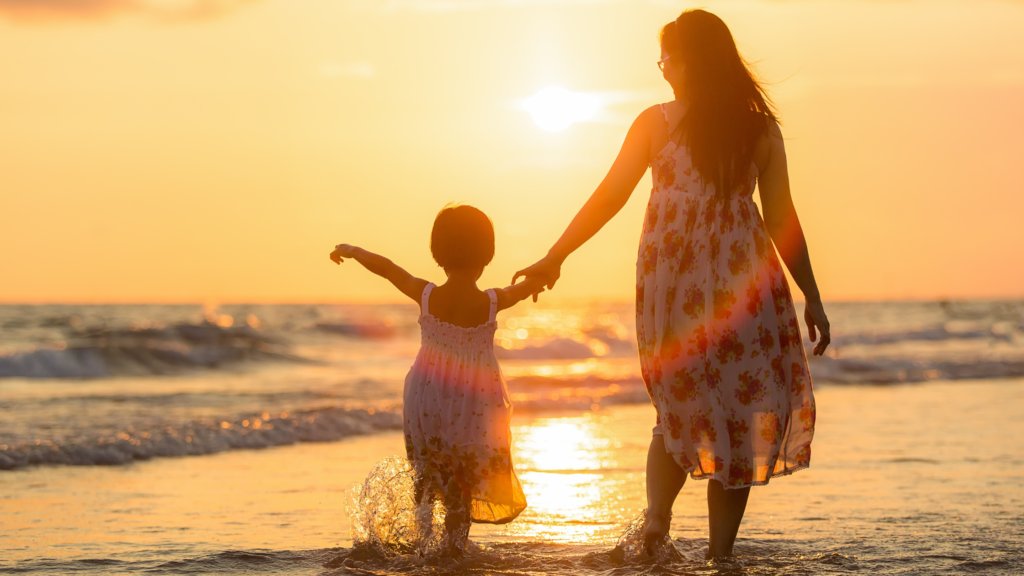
457 408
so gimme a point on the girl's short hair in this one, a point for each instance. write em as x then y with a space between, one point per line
462 237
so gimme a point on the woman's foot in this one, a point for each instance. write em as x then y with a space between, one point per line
655 530
718 555
709 556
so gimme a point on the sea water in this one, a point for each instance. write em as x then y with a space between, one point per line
128 439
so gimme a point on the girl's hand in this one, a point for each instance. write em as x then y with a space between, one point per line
548 269
814 315
342 251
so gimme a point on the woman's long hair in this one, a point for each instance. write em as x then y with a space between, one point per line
727 109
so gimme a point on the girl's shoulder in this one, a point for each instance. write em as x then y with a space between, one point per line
463 308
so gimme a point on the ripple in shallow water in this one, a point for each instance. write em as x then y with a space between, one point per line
754 558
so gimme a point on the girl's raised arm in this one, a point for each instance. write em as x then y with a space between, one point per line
406 283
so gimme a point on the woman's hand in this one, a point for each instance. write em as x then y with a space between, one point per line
342 251
814 315
547 268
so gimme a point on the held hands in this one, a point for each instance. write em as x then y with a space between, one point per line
547 268
814 315
342 251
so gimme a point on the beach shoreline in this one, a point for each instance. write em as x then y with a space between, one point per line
894 481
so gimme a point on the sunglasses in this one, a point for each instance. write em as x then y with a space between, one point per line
661 63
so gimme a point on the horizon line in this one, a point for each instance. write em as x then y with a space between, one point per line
367 302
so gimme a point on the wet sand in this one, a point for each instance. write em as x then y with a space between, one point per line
904 479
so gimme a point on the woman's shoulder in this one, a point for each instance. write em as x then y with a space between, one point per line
657 119
772 128
653 110
651 117
658 112
770 142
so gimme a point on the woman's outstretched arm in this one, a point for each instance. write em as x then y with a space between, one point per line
611 195
784 227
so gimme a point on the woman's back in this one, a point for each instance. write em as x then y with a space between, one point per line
717 330
666 130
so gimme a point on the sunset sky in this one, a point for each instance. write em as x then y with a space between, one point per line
216 151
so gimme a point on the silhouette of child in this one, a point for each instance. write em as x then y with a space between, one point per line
456 403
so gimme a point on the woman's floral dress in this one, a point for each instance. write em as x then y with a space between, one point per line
457 413
720 346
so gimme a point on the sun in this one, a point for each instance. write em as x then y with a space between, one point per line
555 109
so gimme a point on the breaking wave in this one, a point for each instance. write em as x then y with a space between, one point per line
103 352
201 437
543 394
896 371
375 331
940 333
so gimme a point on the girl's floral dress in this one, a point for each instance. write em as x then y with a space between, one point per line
457 413
720 346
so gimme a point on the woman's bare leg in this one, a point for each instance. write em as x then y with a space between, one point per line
664 481
725 512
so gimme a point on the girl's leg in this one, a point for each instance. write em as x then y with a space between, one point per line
664 481
425 493
725 512
419 490
458 518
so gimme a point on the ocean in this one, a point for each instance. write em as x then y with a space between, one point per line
227 440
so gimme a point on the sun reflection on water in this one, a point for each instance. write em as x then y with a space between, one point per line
554 444
557 494
564 465
603 332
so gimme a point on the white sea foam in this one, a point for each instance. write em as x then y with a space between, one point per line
200 437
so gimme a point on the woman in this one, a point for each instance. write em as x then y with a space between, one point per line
720 346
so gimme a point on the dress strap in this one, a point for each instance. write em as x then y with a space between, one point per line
492 314
425 299
664 114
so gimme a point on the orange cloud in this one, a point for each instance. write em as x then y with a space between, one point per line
91 9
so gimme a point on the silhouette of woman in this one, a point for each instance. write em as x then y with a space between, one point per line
720 345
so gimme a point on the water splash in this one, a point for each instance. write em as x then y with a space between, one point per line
388 521
630 548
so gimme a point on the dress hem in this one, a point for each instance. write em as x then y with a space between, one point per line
503 520
497 522
717 476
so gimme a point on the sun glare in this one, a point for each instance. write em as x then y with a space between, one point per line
555 109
